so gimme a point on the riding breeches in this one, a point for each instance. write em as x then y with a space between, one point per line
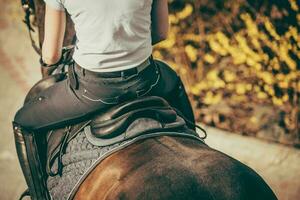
82 94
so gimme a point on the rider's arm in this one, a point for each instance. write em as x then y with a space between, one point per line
55 25
159 20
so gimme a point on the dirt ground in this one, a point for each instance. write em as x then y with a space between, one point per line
19 70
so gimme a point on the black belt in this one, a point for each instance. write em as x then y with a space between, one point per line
116 74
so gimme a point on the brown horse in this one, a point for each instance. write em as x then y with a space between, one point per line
172 168
158 167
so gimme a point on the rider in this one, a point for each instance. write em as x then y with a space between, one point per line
113 61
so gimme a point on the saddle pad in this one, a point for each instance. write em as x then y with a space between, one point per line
81 157
119 146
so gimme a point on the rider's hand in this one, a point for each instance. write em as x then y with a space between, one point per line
46 71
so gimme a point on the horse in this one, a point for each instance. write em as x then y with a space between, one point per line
140 149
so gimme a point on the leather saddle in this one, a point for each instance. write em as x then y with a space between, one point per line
38 151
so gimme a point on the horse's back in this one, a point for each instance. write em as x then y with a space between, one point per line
172 168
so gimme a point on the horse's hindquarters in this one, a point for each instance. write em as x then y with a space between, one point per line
172 168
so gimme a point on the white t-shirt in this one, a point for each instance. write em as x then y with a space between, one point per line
112 35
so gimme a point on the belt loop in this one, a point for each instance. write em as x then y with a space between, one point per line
72 77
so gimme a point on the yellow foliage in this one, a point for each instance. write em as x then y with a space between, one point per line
285 98
191 37
212 75
199 87
270 28
253 58
267 77
250 24
191 52
187 11
156 54
254 120
209 58
276 101
230 86
238 98
211 99
173 19
294 5
262 95
283 84
229 76
215 46
241 88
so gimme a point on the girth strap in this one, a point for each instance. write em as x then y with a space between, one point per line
57 141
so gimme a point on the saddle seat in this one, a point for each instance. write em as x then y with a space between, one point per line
117 120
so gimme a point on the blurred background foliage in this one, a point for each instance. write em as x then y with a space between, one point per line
239 61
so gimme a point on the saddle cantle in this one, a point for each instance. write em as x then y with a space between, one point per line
121 122
116 120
